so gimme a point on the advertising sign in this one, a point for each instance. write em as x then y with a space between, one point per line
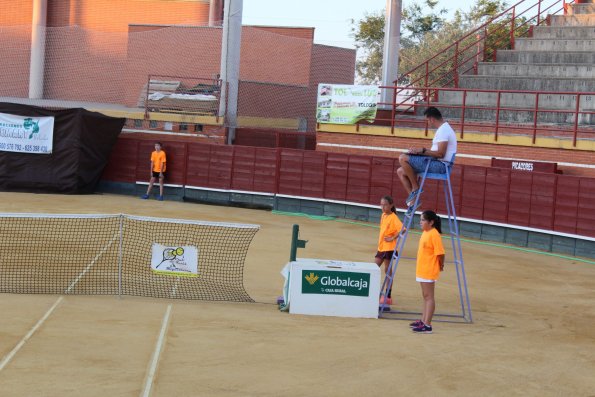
24 134
346 104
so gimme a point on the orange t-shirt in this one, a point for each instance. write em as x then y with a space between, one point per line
158 160
430 246
389 225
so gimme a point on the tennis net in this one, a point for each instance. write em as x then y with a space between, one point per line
123 255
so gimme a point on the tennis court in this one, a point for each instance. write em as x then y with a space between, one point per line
532 332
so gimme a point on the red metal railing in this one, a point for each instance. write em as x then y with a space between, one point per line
574 120
191 95
481 44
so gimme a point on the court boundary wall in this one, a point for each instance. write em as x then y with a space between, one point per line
551 212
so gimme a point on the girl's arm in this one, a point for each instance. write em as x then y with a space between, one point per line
391 237
441 262
392 234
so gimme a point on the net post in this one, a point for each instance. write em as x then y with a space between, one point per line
120 257
296 243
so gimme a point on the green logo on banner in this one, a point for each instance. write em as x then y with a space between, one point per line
32 126
335 283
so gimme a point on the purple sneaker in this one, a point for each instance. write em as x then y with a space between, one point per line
423 329
415 324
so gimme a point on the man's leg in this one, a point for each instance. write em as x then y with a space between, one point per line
407 175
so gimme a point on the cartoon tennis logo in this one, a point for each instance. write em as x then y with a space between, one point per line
172 255
175 260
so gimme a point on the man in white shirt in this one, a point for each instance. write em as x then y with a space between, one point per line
444 145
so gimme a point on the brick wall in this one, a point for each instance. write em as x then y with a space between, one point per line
15 55
538 200
298 32
116 15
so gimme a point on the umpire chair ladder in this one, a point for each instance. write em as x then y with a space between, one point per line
465 314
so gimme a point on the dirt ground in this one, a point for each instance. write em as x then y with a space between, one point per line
533 332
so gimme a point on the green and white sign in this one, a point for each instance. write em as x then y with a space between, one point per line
335 283
346 104
328 287
25 134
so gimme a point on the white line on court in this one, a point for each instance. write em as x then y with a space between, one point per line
78 278
14 351
175 288
157 353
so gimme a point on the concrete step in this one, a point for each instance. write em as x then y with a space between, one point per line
572 20
541 57
531 44
564 32
536 70
518 100
577 9
509 116
527 84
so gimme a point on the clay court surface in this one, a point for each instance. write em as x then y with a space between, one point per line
533 332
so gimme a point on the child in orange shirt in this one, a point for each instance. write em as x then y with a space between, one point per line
158 162
430 262
390 226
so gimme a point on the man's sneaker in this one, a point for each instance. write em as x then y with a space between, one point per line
387 301
411 209
160 198
411 198
423 329
144 196
416 324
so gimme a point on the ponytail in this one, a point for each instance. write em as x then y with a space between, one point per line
390 200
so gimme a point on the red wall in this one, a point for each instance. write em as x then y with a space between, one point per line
545 201
116 15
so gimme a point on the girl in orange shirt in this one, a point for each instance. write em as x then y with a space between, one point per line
430 262
390 226
158 163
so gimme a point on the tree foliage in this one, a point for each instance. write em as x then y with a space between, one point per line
369 37
424 32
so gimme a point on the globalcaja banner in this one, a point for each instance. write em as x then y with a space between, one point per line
335 283
24 134
346 104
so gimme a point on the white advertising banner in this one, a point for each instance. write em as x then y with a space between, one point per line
25 134
332 288
346 104
181 261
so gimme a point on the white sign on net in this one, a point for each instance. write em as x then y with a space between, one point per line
175 260
26 134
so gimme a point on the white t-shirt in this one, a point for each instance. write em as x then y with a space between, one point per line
445 133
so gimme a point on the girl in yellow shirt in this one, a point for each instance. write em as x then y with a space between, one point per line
390 226
430 262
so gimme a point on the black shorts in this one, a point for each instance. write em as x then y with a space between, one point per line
156 174
385 255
